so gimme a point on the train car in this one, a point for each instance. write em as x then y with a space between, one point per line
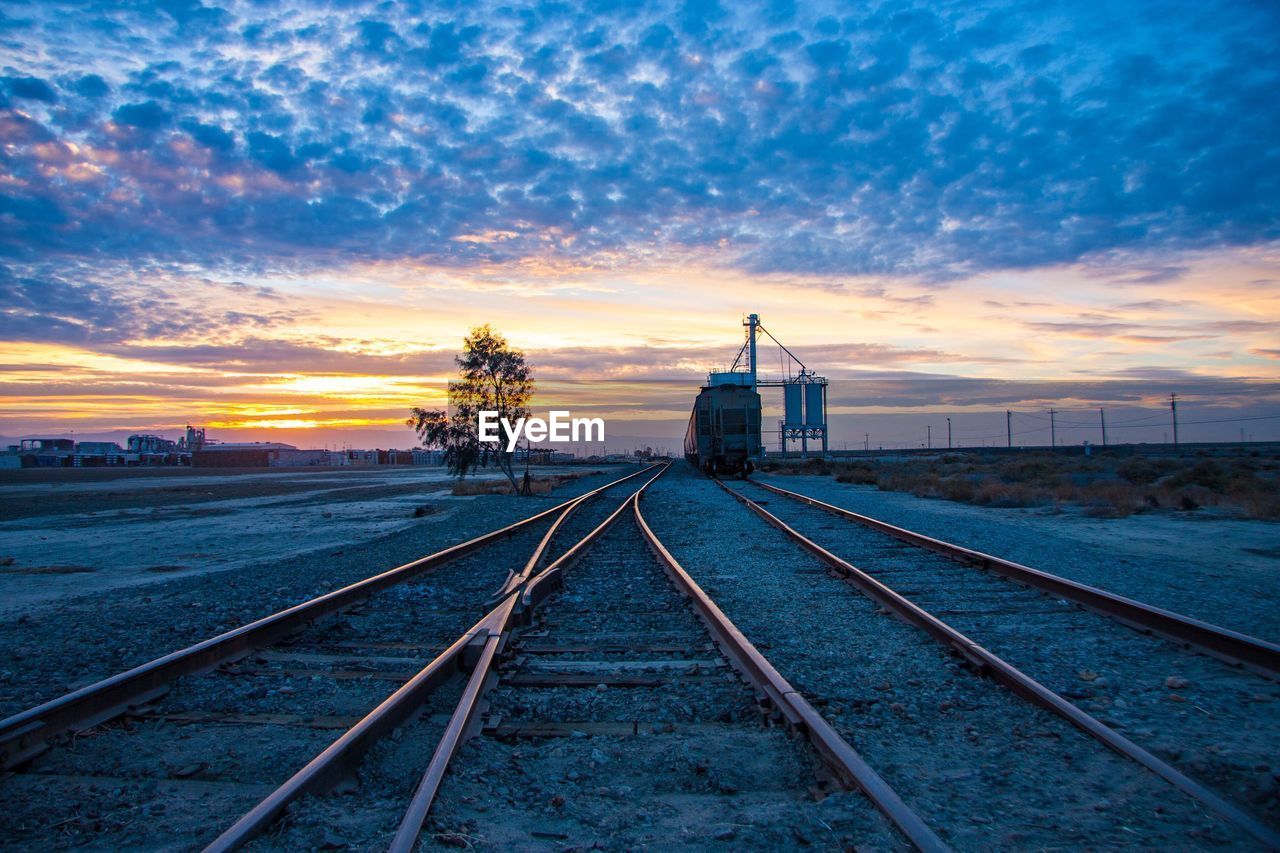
723 436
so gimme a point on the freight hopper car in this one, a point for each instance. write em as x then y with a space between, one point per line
724 430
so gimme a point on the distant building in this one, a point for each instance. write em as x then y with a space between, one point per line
254 454
99 454
99 448
427 457
47 445
151 444
193 440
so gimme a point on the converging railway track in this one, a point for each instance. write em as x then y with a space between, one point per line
607 673
284 684
1050 641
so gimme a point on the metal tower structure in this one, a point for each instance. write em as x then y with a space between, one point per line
804 393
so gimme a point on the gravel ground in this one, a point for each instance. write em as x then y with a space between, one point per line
364 814
1221 570
984 768
335 668
48 650
154 783
1214 722
697 770
78 534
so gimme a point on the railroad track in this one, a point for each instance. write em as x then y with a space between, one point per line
605 697
603 674
132 744
618 719
1120 688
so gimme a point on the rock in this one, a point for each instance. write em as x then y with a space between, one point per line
452 839
599 757
1265 787
189 770
1087 675
1175 697
346 785
726 834
573 775
557 801
1176 682
600 688
329 840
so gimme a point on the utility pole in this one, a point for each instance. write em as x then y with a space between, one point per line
1053 434
1173 407
866 440
948 433
930 444
1102 415
1008 426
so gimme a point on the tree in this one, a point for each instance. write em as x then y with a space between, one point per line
494 378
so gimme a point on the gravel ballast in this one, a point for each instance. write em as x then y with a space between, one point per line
695 768
216 743
1221 570
50 649
1211 720
984 768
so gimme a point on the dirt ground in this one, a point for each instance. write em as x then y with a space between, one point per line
67 532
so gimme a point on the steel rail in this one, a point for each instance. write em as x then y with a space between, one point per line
25 734
460 727
851 769
1231 646
515 579
344 754
487 637
542 585
987 662
483 677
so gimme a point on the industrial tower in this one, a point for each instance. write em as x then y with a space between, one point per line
804 393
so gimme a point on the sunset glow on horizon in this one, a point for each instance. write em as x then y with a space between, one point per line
277 221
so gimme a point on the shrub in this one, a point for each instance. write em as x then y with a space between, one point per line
1114 499
997 494
1206 472
1143 471
958 489
858 474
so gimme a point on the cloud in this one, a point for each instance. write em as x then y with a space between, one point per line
75 309
911 140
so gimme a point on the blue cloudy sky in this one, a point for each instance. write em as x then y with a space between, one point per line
286 215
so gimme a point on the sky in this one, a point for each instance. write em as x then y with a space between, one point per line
278 220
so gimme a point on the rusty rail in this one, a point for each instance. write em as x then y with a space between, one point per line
1231 646
487 638
343 755
852 770
516 608
1018 682
25 734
